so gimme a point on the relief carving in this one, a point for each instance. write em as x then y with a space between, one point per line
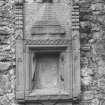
48 69
48 42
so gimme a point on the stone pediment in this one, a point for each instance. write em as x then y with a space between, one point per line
45 27
48 23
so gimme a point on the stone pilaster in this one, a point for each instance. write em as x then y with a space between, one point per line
76 50
19 18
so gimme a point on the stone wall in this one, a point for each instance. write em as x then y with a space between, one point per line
92 38
7 52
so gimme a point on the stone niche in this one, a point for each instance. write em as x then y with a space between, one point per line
47 52
49 71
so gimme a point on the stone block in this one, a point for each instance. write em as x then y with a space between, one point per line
4 66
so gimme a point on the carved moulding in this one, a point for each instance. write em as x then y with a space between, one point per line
52 49
48 42
67 51
26 50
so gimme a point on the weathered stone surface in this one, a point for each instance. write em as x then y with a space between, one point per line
4 101
88 95
101 83
91 14
4 84
2 2
4 66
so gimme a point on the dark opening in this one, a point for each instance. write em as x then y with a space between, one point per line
47 1
47 68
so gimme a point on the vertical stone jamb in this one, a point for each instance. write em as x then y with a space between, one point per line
19 50
76 51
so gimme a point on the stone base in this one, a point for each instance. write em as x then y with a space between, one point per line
47 103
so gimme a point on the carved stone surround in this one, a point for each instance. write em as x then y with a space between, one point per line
23 46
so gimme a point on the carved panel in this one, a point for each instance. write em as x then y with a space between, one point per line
67 45
19 18
48 42
57 16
